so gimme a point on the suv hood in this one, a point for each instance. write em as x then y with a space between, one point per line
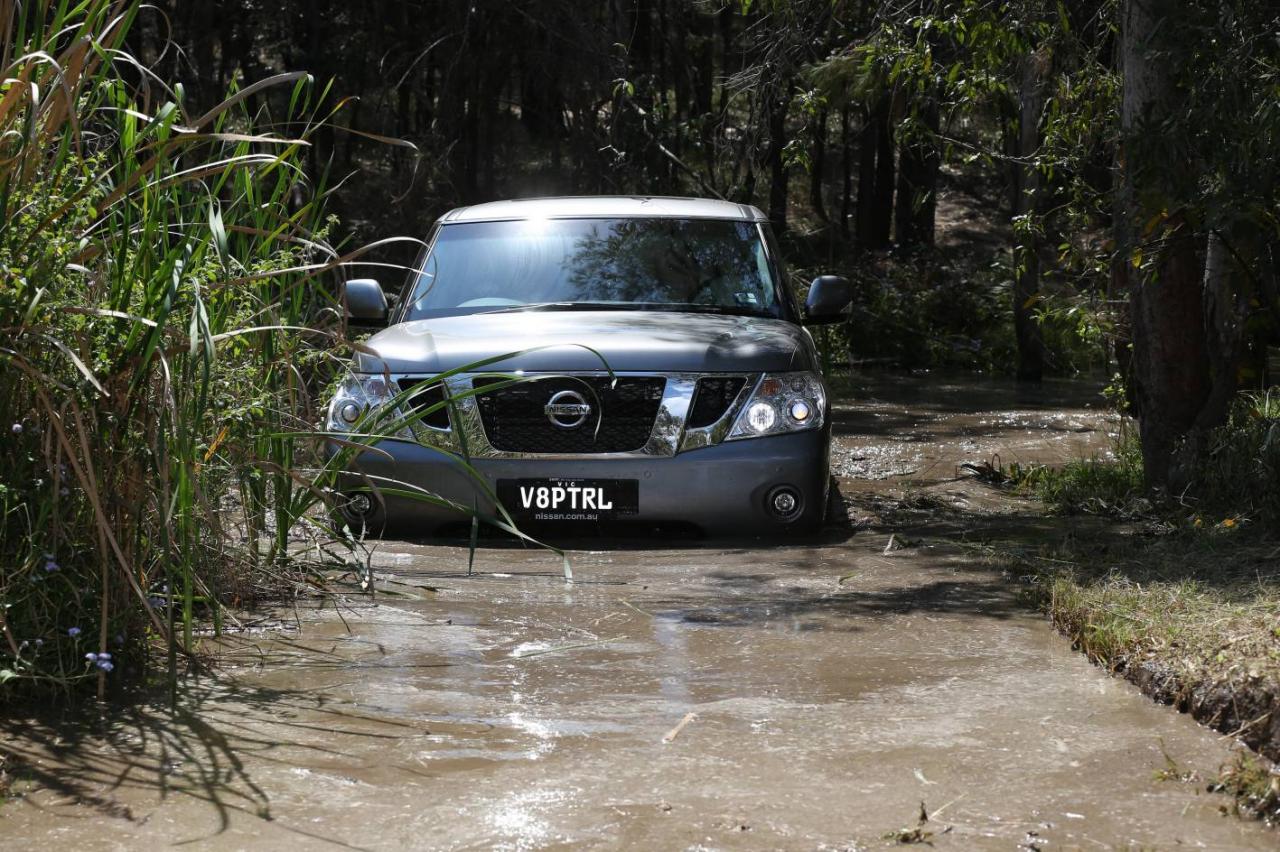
630 341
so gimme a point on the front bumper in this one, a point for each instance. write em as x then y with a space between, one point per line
721 489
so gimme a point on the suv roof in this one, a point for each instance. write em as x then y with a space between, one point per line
604 206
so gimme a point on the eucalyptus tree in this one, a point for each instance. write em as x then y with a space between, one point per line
1196 216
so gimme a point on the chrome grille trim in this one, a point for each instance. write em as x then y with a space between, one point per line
668 437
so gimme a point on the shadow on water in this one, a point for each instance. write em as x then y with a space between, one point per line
918 427
850 612
946 392
93 756
623 537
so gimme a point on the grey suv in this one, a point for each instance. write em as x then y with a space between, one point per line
663 373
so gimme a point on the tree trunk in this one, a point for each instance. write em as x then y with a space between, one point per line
875 179
1171 380
884 186
1170 357
846 175
642 34
918 163
1222 326
818 167
724 18
1226 306
1026 202
777 165
702 69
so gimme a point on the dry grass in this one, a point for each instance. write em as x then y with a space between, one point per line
1191 617
1204 605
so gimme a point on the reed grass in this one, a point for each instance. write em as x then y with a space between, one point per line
167 332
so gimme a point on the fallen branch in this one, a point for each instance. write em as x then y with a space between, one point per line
675 732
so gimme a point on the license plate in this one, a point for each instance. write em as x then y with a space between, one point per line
570 499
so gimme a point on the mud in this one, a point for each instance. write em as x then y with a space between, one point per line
834 687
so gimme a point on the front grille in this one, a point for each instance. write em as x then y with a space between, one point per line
428 396
515 419
712 400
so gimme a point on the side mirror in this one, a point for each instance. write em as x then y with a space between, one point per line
829 295
366 303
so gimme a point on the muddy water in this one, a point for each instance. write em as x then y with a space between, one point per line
677 695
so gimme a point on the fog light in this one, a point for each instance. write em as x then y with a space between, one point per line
800 410
760 417
784 503
350 412
360 504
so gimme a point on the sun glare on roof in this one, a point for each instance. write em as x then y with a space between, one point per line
536 225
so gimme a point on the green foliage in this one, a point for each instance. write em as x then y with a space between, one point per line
1254 784
163 328
1224 61
923 311
918 313
1235 480
974 60
1238 474
1089 486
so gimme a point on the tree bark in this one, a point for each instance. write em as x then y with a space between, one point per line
918 163
818 167
724 20
1171 380
882 221
1170 357
875 179
702 69
1223 326
778 172
846 173
1026 202
1226 306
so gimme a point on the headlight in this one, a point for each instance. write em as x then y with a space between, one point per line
782 402
359 394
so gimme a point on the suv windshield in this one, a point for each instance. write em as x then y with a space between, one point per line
714 265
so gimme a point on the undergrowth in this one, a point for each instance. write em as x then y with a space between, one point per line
164 333
1235 479
933 310
1254 786
1098 486
169 334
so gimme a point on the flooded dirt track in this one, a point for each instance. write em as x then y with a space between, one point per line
677 696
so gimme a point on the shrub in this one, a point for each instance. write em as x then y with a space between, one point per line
1239 473
163 337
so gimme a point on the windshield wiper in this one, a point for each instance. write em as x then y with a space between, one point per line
727 310
674 307
563 306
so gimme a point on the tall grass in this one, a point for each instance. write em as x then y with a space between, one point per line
163 338
1239 470
1095 486
1233 478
